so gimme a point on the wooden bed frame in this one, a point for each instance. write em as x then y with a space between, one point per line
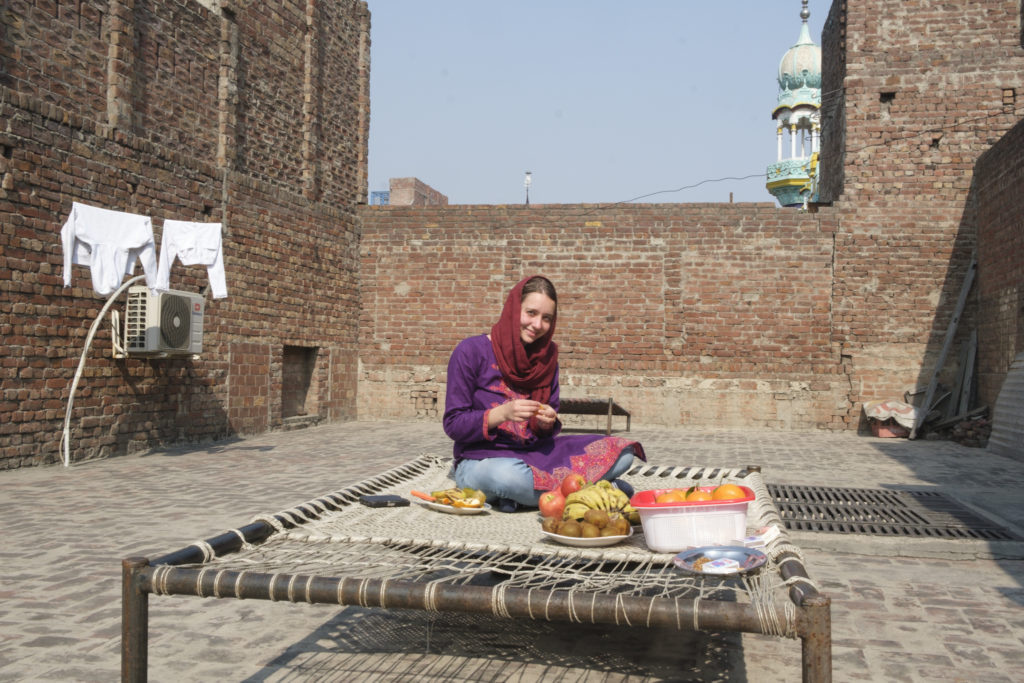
596 585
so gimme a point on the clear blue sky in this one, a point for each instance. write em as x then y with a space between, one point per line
602 100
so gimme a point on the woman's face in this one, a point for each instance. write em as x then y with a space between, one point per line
537 314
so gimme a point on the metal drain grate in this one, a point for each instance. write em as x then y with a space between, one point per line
919 514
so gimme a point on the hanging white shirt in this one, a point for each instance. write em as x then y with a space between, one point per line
193 244
109 242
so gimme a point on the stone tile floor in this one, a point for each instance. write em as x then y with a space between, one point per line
905 610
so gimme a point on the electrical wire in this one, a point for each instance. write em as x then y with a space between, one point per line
65 443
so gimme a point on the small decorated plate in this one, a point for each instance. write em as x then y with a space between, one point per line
598 542
452 510
720 559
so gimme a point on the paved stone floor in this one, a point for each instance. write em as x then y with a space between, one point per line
911 610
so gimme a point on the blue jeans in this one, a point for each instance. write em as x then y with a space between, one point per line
511 478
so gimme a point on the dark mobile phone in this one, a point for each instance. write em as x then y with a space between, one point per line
383 501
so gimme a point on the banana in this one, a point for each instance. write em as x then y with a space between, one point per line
631 514
574 510
598 496
582 496
597 499
575 497
592 499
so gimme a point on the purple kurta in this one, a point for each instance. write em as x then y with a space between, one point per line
475 387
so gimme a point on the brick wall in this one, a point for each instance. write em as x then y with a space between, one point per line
695 314
913 94
255 117
413 192
1000 191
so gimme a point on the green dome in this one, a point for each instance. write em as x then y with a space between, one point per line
800 71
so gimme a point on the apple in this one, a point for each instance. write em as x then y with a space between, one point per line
552 503
572 483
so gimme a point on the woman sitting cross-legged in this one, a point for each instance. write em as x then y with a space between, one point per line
501 409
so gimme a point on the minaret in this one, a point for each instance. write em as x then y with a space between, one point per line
790 178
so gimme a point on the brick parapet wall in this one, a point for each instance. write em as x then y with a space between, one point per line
291 256
698 314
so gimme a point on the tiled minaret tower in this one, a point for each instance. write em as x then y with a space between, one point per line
791 178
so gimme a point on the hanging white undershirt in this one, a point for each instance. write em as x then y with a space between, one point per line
109 243
193 244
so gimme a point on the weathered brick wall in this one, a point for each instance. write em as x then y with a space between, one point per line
256 118
413 192
924 88
256 115
1000 192
833 105
695 314
913 93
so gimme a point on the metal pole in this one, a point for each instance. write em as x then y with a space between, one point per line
134 621
816 641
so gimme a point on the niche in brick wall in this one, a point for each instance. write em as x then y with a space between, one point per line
299 383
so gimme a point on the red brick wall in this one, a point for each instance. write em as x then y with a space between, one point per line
257 119
1000 287
701 314
413 192
716 315
913 95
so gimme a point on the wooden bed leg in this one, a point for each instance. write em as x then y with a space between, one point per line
134 621
816 642
611 403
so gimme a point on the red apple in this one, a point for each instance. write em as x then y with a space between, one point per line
572 483
552 503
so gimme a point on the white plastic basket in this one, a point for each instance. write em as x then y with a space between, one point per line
672 527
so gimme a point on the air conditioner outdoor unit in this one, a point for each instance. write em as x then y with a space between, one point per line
166 324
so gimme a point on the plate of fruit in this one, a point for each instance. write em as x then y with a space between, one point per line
453 501
587 515
597 530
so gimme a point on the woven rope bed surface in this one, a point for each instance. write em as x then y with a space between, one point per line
335 536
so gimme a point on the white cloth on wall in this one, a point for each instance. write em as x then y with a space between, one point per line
193 244
109 243
904 413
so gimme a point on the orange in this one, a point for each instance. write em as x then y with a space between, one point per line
696 494
673 496
728 492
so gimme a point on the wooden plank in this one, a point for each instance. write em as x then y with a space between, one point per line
968 381
950 333
952 408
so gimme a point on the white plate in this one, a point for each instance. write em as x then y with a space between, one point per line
599 542
452 510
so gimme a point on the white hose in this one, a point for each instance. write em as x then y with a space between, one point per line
65 447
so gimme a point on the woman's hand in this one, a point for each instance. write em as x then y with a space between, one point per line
546 417
516 410
521 410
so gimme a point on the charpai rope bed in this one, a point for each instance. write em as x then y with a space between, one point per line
334 550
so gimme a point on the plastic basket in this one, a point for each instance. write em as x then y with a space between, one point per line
672 527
